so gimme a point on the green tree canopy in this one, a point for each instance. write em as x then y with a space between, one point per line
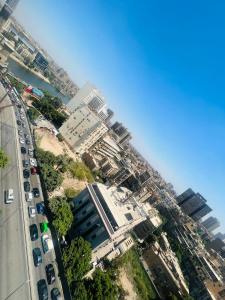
102 286
80 171
4 160
62 214
76 259
51 177
79 291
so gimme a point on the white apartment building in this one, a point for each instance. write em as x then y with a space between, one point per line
82 129
89 95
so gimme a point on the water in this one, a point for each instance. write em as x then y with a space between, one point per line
32 79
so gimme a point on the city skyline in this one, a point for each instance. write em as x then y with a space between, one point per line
187 151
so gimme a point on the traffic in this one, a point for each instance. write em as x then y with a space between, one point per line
40 236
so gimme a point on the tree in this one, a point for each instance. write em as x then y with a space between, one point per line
76 259
62 162
60 137
4 160
62 214
80 171
79 291
51 177
33 113
101 286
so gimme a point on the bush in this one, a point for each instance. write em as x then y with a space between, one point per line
4 160
80 171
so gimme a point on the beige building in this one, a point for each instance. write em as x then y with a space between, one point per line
82 129
165 269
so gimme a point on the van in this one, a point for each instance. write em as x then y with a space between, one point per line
9 196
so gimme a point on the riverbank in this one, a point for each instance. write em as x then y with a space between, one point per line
38 74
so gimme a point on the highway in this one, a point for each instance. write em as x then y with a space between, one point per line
18 275
14 278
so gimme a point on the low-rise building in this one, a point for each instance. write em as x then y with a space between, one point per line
165 269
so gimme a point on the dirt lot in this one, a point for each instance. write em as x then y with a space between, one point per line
127 286
49 142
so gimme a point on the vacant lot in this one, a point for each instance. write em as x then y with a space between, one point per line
135 280
49 142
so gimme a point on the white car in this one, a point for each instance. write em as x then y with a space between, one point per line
9 196
30 152
29 196
33 162
47 243
31 211
22 141
22 117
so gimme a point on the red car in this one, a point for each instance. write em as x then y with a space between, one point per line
33 170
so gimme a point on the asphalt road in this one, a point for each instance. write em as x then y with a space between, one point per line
18 275
14 279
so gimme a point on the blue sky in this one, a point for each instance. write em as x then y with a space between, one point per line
161 66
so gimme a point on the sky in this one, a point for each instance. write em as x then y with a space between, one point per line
161 66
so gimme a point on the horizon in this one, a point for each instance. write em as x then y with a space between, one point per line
179 63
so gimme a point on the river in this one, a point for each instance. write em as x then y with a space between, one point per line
32 79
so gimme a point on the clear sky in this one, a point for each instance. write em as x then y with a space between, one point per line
161 66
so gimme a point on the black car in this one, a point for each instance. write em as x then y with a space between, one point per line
23 150
42 289
26 173
28 142
50 273
18 122
33 232
37 256
25 163
55 294
26 186
36 192
23 125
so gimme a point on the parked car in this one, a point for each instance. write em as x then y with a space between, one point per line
55 294
26 173
47 243
50 273
29 196
26 186
37 256
36 192
33 170
31 211
33 162
27 142
40 208
23 150
23 125
30 152
33 232
42 289
21 141
25 163
20 132
18 122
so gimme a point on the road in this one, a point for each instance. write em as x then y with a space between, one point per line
16 259
14 277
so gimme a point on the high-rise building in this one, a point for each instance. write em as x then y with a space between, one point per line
220 236
211 223
89 95
7 10
121 134
40 62
82 129
193 204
